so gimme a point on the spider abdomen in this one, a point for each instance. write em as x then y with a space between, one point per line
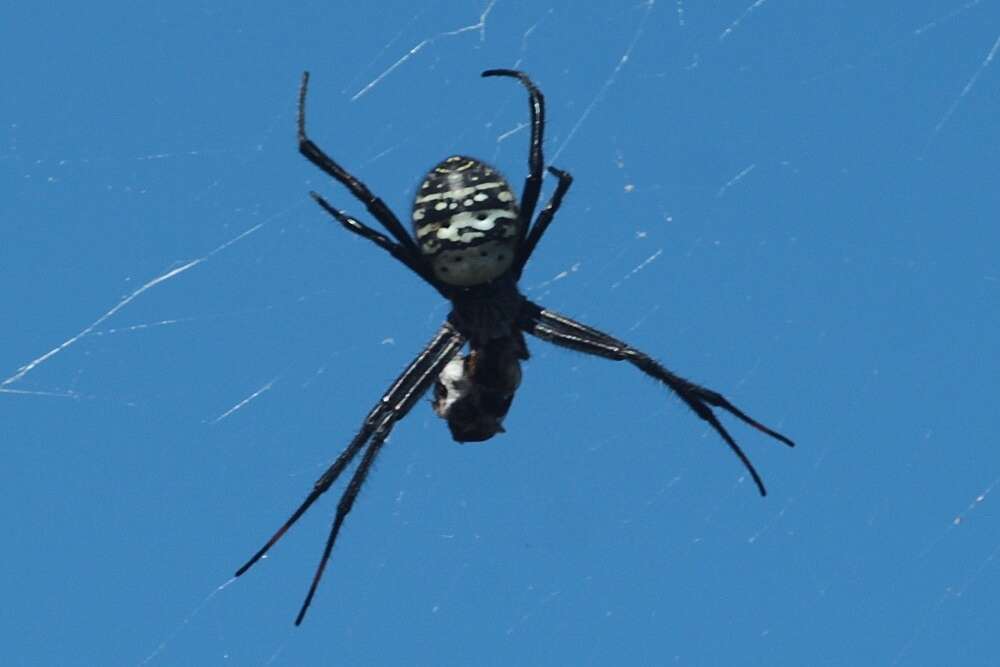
466 221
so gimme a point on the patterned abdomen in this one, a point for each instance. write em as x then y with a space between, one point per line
466 222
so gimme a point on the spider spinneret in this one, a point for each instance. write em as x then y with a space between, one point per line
472 242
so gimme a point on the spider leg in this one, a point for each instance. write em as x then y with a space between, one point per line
533 183
544 219
375 206
346 503
393 406
381 240
412 391
568 333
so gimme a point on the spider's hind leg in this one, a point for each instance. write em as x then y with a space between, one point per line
401 253
536 102
544 219
403 247
312 152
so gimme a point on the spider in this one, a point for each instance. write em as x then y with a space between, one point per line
471 242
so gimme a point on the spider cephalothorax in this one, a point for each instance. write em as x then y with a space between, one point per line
472 241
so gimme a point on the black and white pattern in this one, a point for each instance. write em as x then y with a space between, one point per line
466 222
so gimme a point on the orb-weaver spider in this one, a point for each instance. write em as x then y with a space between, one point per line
472 241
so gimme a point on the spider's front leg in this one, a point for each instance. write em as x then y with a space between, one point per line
571 334
393 406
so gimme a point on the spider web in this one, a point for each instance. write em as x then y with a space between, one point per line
793 205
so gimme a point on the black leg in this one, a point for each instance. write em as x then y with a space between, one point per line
345 504
533 183
568 333
394 405
375 206
544 219
415 264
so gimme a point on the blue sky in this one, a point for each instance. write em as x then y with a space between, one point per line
793 203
